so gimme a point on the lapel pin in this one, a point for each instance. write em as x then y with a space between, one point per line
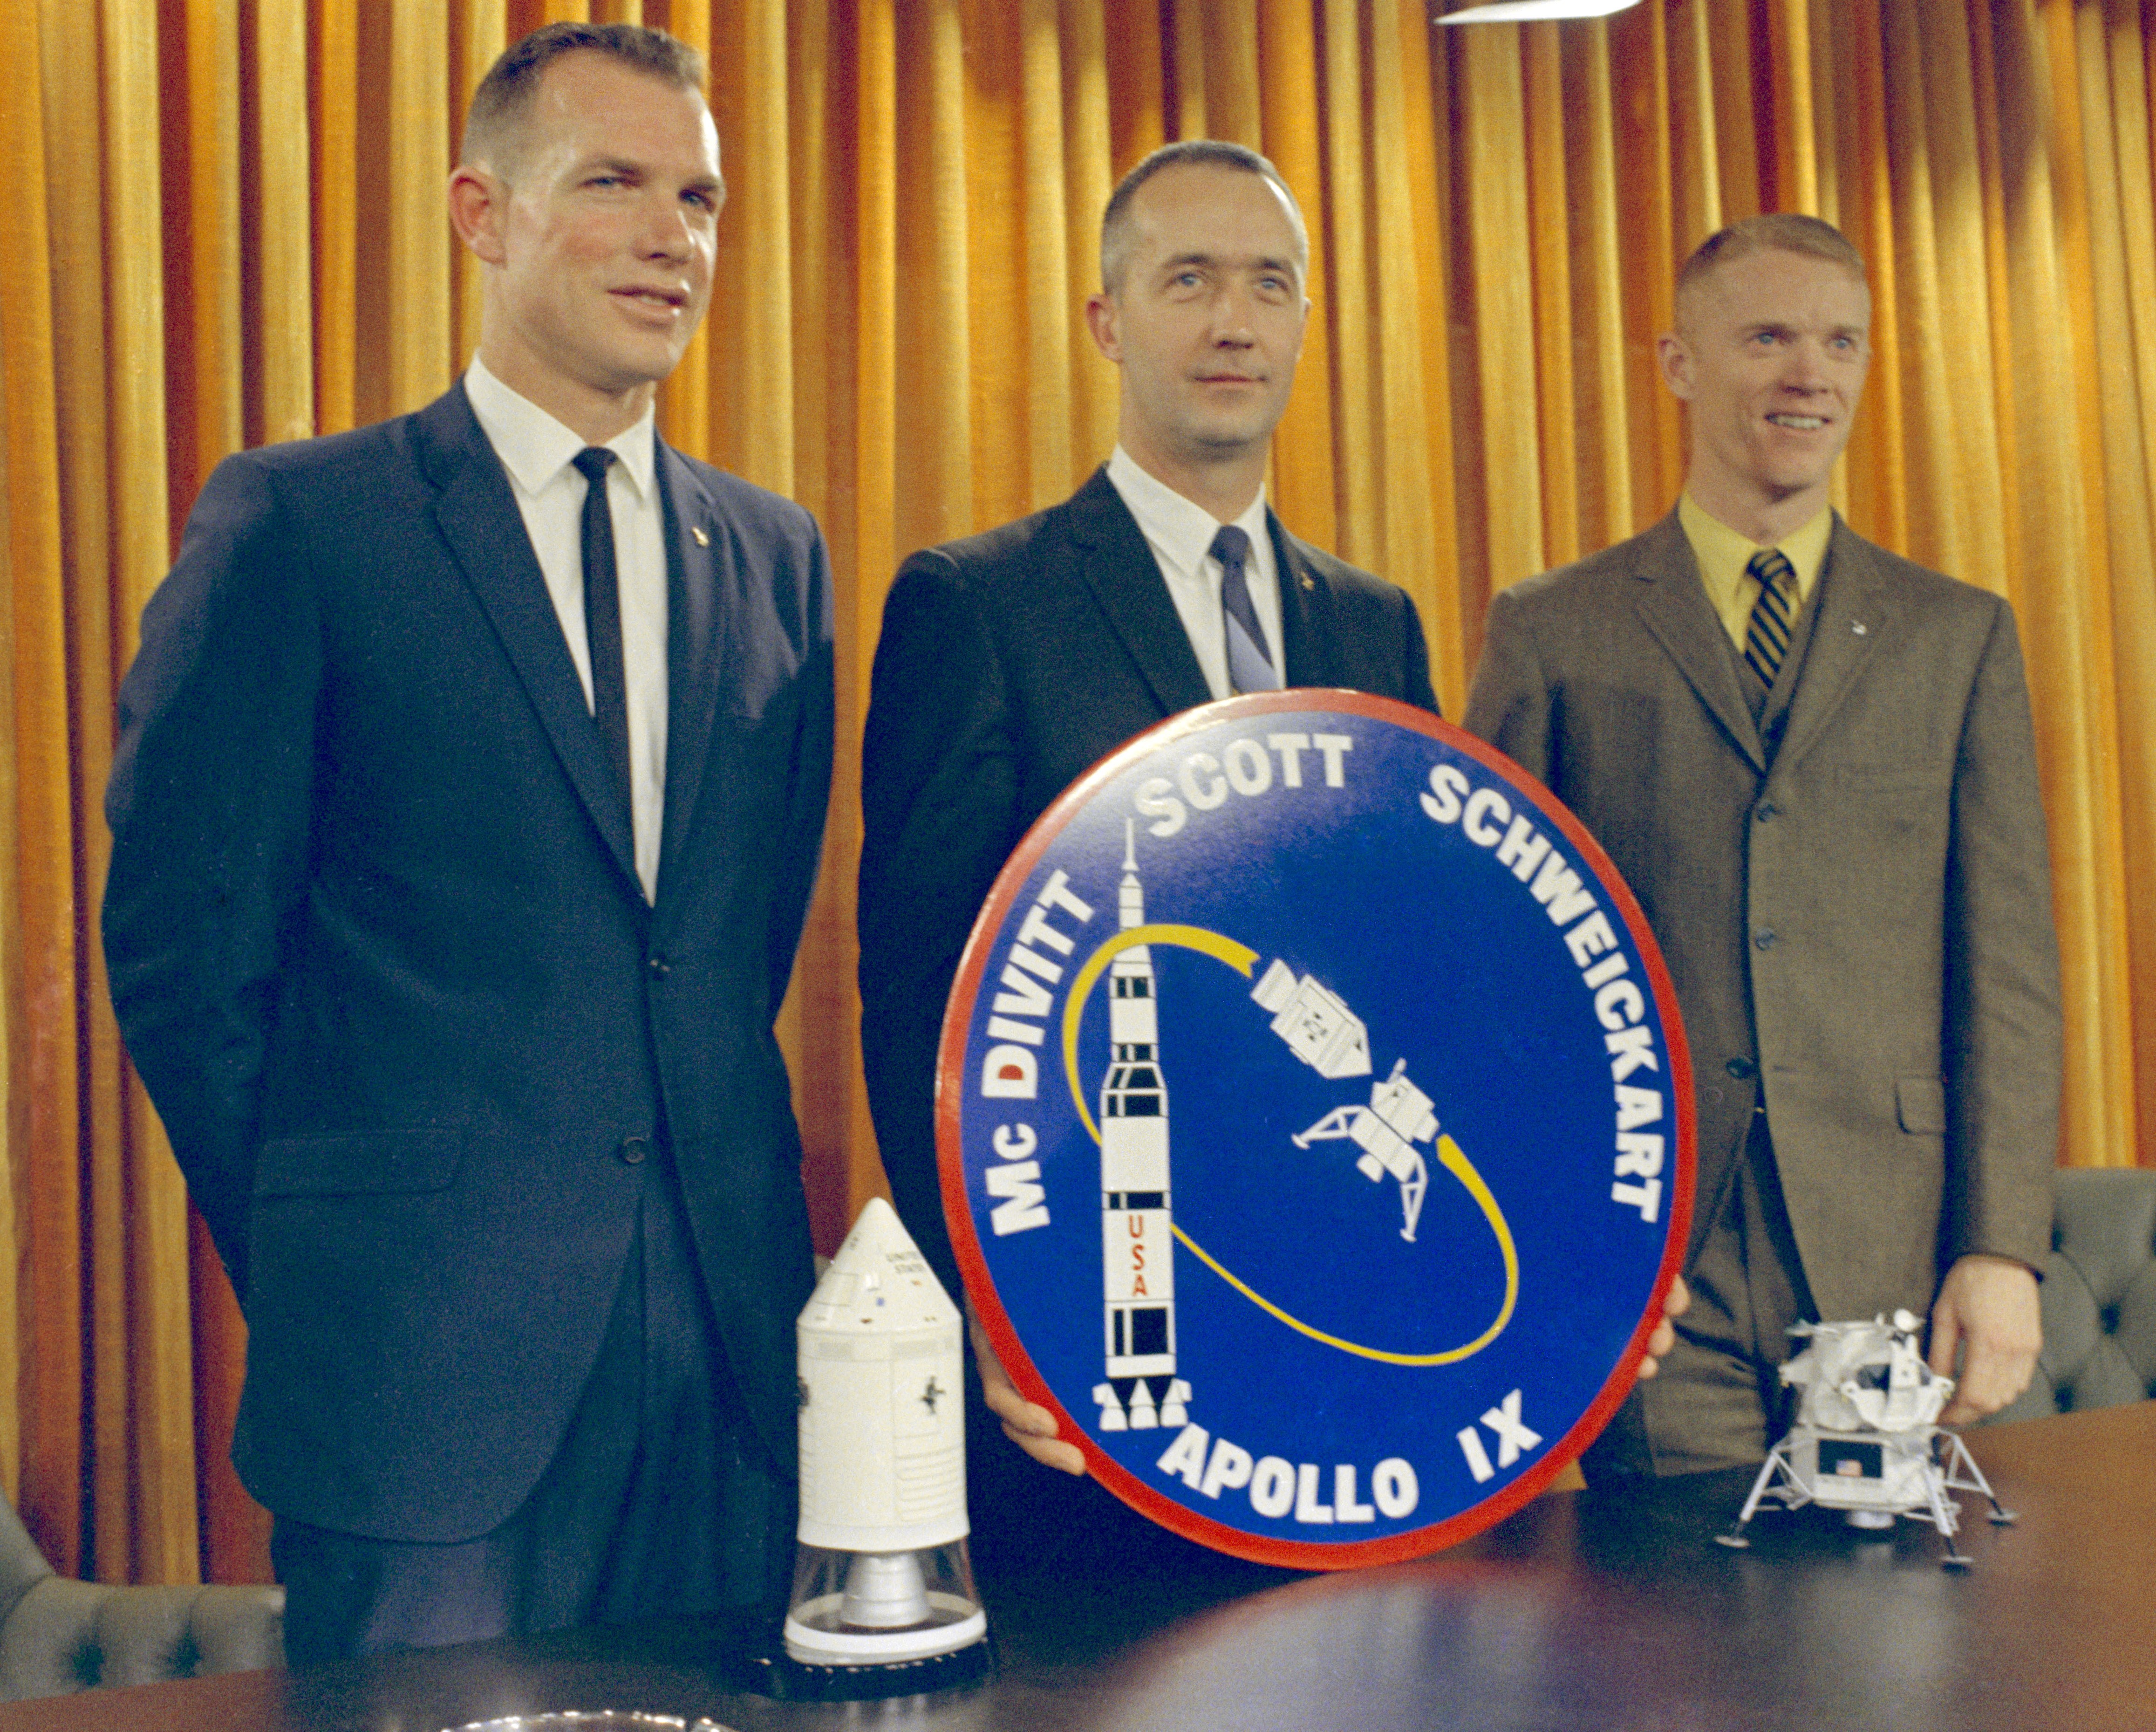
1854 625
704 540
1309 582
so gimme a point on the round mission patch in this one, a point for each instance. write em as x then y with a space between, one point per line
1315 1128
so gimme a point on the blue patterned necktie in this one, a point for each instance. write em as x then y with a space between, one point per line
1249 666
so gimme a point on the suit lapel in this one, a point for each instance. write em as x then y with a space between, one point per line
1673 605
1126 580
1852 615
701 570
480 521
1306 651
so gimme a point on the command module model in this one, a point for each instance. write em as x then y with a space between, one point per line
884 1601
1866 1441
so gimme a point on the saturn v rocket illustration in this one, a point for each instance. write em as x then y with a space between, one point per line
1137 1251
1138 1262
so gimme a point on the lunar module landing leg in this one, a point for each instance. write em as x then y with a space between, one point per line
1777 1479
1386 1131
1948 1468
1959 1461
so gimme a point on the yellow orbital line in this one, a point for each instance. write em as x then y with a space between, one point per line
1461 1168
1241 958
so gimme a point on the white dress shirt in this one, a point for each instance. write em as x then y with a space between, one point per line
535 450
1180 534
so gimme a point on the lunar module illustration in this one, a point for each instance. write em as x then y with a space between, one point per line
1865 1440
1141 1391
1322 1032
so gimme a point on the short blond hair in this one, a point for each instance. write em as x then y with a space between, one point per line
1776 232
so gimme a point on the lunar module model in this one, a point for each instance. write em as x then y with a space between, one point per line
1866 1441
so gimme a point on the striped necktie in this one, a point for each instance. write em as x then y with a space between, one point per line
1767 637
1249 665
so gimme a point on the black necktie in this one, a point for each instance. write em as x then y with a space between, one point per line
1767 637
603 619
1249 665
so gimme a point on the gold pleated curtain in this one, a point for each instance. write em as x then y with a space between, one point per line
225 226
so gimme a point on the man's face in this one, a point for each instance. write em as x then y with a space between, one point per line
1770 354
1207 322
604 246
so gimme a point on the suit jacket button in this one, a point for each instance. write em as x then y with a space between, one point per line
1765 941
1767 808
632 1151
1742 1069
660 967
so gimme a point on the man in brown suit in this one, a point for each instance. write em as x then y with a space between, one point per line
1813 762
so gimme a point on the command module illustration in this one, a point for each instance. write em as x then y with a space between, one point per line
1866 1441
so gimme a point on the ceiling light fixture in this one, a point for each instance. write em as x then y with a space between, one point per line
1521 12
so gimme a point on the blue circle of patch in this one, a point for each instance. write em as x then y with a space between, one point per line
1315 1128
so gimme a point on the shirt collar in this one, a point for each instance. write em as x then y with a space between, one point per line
535 448
1179 531
1722 554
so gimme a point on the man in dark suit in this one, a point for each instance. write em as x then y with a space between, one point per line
1011 662
470 783
1814 763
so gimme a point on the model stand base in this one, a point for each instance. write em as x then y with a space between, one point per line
787 1679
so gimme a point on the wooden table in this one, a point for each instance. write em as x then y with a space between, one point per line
1580 1612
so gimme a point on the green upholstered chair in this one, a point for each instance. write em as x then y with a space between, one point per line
58 1636
2099 1294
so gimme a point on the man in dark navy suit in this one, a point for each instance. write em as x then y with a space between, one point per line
470 783
1011 662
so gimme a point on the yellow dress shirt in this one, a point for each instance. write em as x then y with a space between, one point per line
1722 554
